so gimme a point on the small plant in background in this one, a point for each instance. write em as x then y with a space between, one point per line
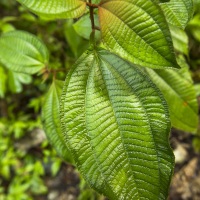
111 116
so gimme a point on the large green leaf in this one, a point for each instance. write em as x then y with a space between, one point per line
137 31
116 125
55 9
178 12
51 120
23 52
180 95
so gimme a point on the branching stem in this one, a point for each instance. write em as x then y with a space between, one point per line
91 9
92 17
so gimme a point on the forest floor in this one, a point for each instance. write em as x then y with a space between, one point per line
186 180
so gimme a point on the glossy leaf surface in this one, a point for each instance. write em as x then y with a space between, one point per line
23 52
180 95
137 31
116 124
55 9
178 12
51 120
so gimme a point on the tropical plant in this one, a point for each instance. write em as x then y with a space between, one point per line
111 116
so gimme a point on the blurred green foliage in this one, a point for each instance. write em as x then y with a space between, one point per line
24 162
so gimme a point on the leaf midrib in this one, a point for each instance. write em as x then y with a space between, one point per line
147 117
117 122
88 136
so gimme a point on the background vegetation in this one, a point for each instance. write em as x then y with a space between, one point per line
29 166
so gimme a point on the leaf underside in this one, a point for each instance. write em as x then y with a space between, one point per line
116 124
23 52
55 9
138 32
51 120
178 12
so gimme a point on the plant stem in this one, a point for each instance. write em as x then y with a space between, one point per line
91 9
92 17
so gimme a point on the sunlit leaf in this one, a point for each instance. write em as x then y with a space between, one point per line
180 40
178 12
116 125
23 52
137 31
55 9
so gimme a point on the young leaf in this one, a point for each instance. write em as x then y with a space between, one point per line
77 44
55 9
23 52
83 26
180 95
51 120
178 12
116 124
137 31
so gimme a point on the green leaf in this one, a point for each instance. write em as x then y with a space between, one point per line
51 120
15 81
197 89
178 12
55 9
197 5
7 27
96 1
83 26
180 40
160 1
137 31
23 52
77 44
194 27
117 126
180 95
3 79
